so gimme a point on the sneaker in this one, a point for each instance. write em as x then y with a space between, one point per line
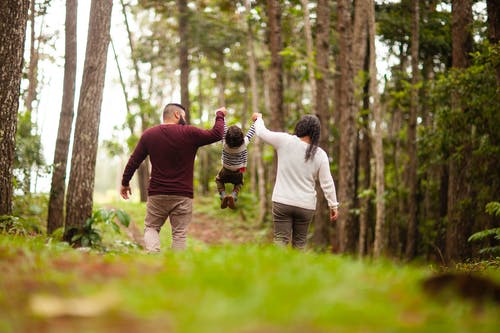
224 201
231 201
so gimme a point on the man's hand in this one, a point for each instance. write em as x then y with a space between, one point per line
334 213
125 191
222 109
256 115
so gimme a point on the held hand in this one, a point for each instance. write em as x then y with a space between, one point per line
125 191
334 213
222 109
256 115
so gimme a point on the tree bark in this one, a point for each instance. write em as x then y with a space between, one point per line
183 55
365 153
55 217
310 52
143 171
81 182
322 224
493 8
32 88
378 150
411 237
347 142
13 17
257 146
276 69
456 232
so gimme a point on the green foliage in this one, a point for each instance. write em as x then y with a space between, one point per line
28 216
29 154
18 226
492 208
89 235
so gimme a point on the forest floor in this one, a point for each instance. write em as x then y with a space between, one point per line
210 225
230 279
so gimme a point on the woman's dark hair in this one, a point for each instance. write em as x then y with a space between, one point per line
309 126
234 136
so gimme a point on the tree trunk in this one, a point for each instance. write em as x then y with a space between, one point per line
257 147
55 217
183 55
276 69
32 88
81 181
378 150
322 224
456 232
365 153
359 55
310 52
347 142
143 172
13 16
493 8
411 237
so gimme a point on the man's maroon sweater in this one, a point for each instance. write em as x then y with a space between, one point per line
172 149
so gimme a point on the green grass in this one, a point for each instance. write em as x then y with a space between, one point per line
46 286
246 288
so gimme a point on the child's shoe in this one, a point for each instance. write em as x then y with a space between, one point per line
223 199
231 200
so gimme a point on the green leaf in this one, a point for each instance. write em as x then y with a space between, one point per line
123 217
76 237
115 227
484 234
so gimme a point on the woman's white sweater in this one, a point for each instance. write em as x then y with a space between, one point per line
296 178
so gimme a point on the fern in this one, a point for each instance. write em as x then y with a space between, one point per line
492 208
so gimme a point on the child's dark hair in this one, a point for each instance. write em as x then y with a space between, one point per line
234 136
309 126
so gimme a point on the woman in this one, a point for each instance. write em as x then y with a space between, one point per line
300 163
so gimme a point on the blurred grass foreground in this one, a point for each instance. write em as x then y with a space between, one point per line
230 279
49 287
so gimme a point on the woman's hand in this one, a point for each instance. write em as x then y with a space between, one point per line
334 213
256 115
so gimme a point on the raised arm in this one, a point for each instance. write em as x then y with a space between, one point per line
251 132
275 139
216 133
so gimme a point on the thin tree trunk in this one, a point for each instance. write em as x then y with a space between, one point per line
310 52
365 166
276 69
81 181
411 238
359 55
322 224
143 171
456 232
379 242
32 86
203 153
55 217
345 223
493 8
183 55
257 147
13 17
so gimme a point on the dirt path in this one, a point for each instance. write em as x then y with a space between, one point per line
214 231
208 230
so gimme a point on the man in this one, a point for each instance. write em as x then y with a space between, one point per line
171 147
